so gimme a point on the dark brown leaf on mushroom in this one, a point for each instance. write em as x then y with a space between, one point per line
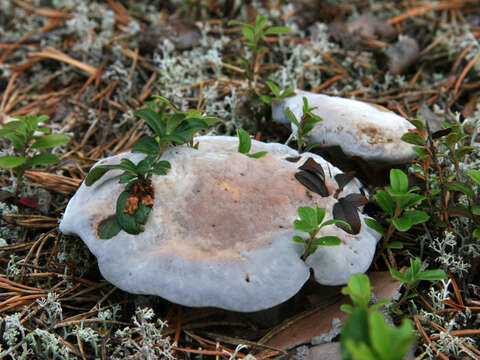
343 179
312 182
313 167
293 159
346 211
356 200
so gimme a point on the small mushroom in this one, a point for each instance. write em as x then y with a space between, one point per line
360 129
220 231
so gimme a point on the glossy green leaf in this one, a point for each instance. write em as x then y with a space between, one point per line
277 30
398 181
146 144
327 241
395 245
417 216
51 140
257 155
385 201
153 119
126 177
375 225
298 239
141 215
96 173
413 138
126 221
108 228
42 159
10 162
186 130
418 124
173 122
432 275
244 141
403 223
462 187
474 175
274 88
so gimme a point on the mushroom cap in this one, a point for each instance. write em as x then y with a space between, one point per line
220 230
368 131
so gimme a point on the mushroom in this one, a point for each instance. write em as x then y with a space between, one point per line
368 131
220 231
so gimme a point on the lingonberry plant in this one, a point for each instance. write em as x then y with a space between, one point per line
311 222
305 125
27 137
136 200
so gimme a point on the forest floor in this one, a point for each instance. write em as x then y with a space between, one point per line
89 65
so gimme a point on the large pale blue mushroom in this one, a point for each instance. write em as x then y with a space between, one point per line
220 231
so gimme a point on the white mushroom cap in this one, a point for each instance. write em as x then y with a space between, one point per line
220 231
370 132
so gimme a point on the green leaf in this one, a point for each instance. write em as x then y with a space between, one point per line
398 181
413 138
416 216
476 209
141 215
126 221
462 187
375 225
173 122
385 201
126 177
146 144
244 141
354 332
418 124
399 276
411 199
432 275
475 175
42 159
266 99
403 223
50 141
108 228
359 290
298 239
260 22
379 332
291 117
153 119
274 88
248 33
19 141
10 162
257 155
143 166
277 30
327 241
462 151
96 173
395 245
184 132
476 232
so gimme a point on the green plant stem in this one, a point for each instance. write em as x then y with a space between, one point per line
433 153
309 244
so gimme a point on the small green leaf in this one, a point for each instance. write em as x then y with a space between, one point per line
10 162
432 275
126 177
153 119
385 201
266 99
173 122
298 239
126 221
244 141
184 132
248 33
291 117
475 175
257 155
395 245
399 276
42 159
418 124
462 187
476 209
274 88
141 215
19 141
146 144
413 138
416 216
96 173
108 228
359 290
476 232
327 241
398 181
403 223
277 30
50 141
375 225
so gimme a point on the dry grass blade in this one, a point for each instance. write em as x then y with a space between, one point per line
58 183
